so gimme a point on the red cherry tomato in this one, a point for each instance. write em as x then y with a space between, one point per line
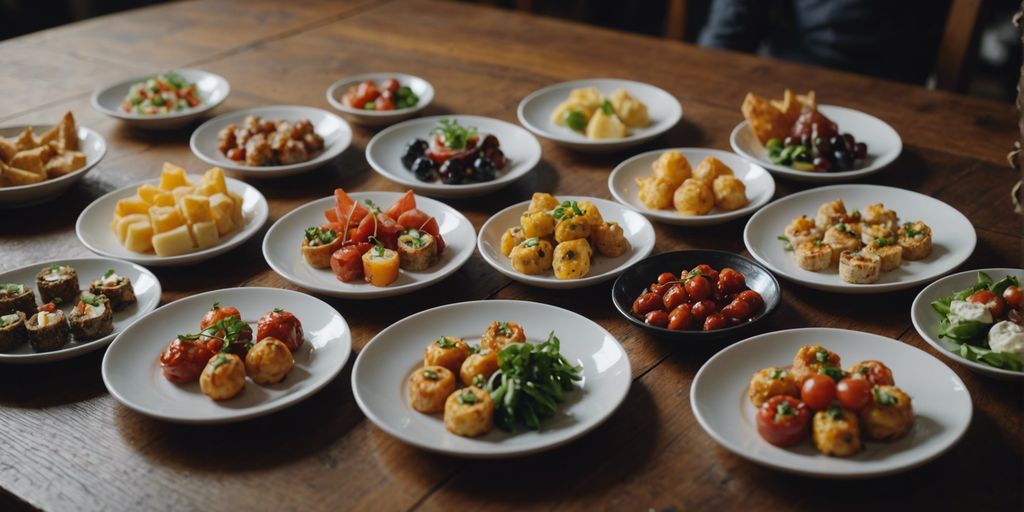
659 288
753 298
385 103
646 303
876 373
347 262
1012 296
715 321
675 296
680 318
818 392
391 85
698 288
282 325
665 277
783 420
706 271
367 91
994 303
218 313
703 309
737 309
854 394
731 281
184 360
657 318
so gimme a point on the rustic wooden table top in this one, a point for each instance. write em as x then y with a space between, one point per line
67 444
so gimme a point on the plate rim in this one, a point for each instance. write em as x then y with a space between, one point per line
170 116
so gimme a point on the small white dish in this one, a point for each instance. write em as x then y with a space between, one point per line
281 248
535 110
941 402
884 145
212 89
622 184
89 142
926 319
419 86
147 294
384 154
93 226
132 373
637 229
380 376
336 133
953 236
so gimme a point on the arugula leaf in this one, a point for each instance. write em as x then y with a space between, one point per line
964 332
1003 360
530 383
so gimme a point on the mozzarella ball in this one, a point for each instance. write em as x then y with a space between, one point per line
479 364
609 240
269 361
711 168
693 197
730 192
889 415
770 382
223 377
429 387
836 432
655 193
446 351
672 167
469 412
499 334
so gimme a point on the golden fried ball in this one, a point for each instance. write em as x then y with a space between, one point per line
543 201
223 377
269 361
609 239
655 193
469 412
809 359
591 213
672 167
693 197
711 168
889 415
572 228
500 333
769 382
447 351
730 192
429 387
479 364
835 432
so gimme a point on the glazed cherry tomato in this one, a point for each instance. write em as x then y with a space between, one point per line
391 85
665 277
659 288
680 318
818 392
675 296
854 394
753 298
282 325
703 309
715 321
657 318
876 373
384 103
367 92
994 303
1012 296
706 271
184 360
218 313
731 281
737 309
697 288
646 303
783 420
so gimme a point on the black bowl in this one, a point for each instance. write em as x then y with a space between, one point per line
634 280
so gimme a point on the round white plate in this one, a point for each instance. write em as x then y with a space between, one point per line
942 404
884 145
622 184
380 376
953 236
147 293
535 114
93 226
89 142
419 86
131 366
384 153
281 248
926 319
335 131
636 227
213 90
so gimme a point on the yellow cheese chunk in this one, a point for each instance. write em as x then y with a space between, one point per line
236 215
130 205
147 192
121 228
214 178
221 207
205 234
173 177
163 199
174 242
196 208
180 192
165 218
139 237
206 189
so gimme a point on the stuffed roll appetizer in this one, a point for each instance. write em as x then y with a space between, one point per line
118 289
889 254
12 330
859 267
381 266
16 297
916 240
318 244
814 256
57 283
469 412
429 387
93 317
417 250
48 329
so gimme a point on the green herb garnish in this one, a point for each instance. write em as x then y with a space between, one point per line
467 397
530 383
316 236
786 244
783 411
531 242
479 380
108 273
430 374
504 329
821 355
454 135
278 310
883 397
563 210
777 373
444 342
606 107
833 373
575 120
90 299
835 413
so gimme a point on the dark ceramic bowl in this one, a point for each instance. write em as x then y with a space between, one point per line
635 280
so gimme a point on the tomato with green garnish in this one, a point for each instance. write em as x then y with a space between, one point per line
783 420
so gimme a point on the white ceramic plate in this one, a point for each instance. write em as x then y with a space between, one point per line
942 404
636 227
89 142
953 236
384 153
926 319
281 248
147 293
381 374
535 114
213 90
335 131
884 145
419 86
622 184
93 226
131 366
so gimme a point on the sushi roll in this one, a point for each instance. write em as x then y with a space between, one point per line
12 330
118 289
802 230
318 244
814 256
92 318
842 238
16 297
57 283
417 250
48 329
889 253
859 267
916 240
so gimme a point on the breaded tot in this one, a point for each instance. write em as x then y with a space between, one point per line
811 358
537 223
429 387
609 239
543 201
836 432
446 351
656 193
532 257
889 416
710 168
500 334
877 214
591 212
830 214
730 192
693 197
769 382
890 255
673 167
572 228
469 412
572 259
510 239
478 367
842 238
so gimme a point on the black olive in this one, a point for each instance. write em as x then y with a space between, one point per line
489 141
423 168
485 169
413 150
452 172
497 156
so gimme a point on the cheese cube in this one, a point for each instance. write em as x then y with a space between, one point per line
121 228
196 208
206 189
139 237
221 207
165 218
236 215
215 179
205 234
163 199
130 205
174 242
180 192
147 192
173 176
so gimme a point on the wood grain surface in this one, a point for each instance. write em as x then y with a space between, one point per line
68 445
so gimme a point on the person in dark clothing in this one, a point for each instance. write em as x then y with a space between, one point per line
894 39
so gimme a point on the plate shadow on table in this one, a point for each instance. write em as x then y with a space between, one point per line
37 386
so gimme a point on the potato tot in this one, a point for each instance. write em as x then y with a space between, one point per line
711 168
223 377
533 256
605 126
572 259
537 223
632 111
889 416
730 192
655 192
429 387
609 239
469 412
572 228
809 359
673 167
510 239
590 212
543 201
479 365
500 334
269 361
770 382
446 351
693 197
836 432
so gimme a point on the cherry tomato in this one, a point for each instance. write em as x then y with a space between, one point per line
391 85
876 373
665 277
680 319
657 318
783 420
731 281
753 298
236 154
385 103
646 303
659 288
994 303
703 309
854 394
698 288
737 309
282 325
366 92
818 392
1012 296
715 321
184 360
675 296
706 271
218 313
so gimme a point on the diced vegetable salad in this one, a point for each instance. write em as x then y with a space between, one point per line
163 94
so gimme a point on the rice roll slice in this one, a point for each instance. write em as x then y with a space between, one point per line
890 254
916 240
57 284
417 250
92 318
12 330
859 267
814 256
118 289
16 297
48 329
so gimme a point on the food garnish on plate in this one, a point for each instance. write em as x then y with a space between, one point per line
455 154
28 158
262 142
698 299
589 112
162 94
986 321
390 95
691 191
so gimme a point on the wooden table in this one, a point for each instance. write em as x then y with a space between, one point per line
67 444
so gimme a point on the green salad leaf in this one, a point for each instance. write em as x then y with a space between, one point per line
1004 360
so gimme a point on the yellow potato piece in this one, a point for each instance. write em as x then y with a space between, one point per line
139 237
165 218
174 242
196 208
205 234
605 126
214 179
121 227
221 207
173 176
182 191
163 199
236 215
147 192
130 205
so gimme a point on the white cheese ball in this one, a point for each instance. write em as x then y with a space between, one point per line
1006 336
